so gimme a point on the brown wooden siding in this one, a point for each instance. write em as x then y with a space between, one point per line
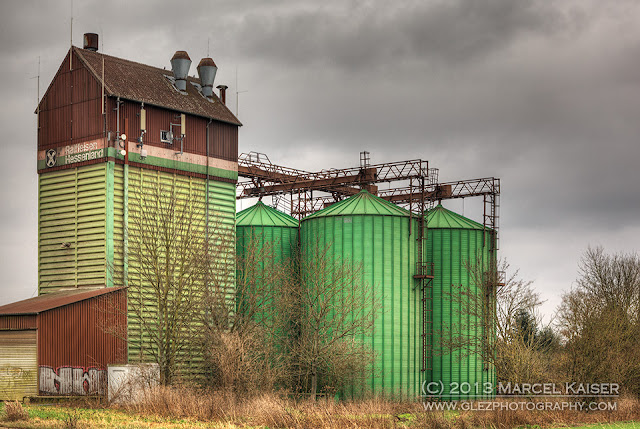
88 333
27 321
70 111
223 141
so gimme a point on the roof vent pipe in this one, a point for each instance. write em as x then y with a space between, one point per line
90 42
207 71
180 64
223 93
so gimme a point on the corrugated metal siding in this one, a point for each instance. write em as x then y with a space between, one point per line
118 226
71 209
18 322
84 334
70 111
18 365
221 216
450 249
387 252
282 241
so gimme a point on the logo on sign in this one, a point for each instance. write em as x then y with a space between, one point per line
51 157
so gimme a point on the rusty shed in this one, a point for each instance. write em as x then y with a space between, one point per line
61 343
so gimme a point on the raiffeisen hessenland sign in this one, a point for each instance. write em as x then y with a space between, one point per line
71 154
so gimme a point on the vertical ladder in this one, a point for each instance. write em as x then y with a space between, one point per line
424 276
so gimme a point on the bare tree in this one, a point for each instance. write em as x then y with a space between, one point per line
600 321
494 305
328 309
170 260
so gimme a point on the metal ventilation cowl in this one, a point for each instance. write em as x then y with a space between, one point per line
180 64
207 71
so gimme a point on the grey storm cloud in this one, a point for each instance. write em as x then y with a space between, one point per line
371 34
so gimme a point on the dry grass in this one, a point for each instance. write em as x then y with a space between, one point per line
275 411
15 412
182 402
628 409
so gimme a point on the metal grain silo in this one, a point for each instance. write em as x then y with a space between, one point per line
267 225
259 227
454 243
382 237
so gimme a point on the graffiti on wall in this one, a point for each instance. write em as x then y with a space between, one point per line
16 382
68 380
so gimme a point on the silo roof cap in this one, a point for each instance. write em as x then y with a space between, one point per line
439 217
263 215
362 203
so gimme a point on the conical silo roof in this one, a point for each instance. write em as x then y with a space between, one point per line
263 215
362 203
439 217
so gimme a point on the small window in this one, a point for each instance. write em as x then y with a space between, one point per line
166 136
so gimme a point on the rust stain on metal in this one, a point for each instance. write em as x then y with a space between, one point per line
52 300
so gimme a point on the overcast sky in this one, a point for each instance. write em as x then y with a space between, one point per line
543 94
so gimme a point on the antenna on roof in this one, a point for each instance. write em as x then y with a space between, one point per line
208 38
71 37
38 97
238 92
38 87
102 99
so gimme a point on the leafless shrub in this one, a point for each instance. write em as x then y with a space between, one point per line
182 402
71 419
241 357
15 411
243 362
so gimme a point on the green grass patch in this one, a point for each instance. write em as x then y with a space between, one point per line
53 416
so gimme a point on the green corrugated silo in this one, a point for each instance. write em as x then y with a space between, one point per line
263 226
382 237
455 242
268 225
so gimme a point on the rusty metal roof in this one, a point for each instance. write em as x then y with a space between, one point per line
52 300
151 85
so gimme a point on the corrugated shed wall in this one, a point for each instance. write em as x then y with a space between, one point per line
18 322
221 218
71 228
89 333
387 251
18 365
